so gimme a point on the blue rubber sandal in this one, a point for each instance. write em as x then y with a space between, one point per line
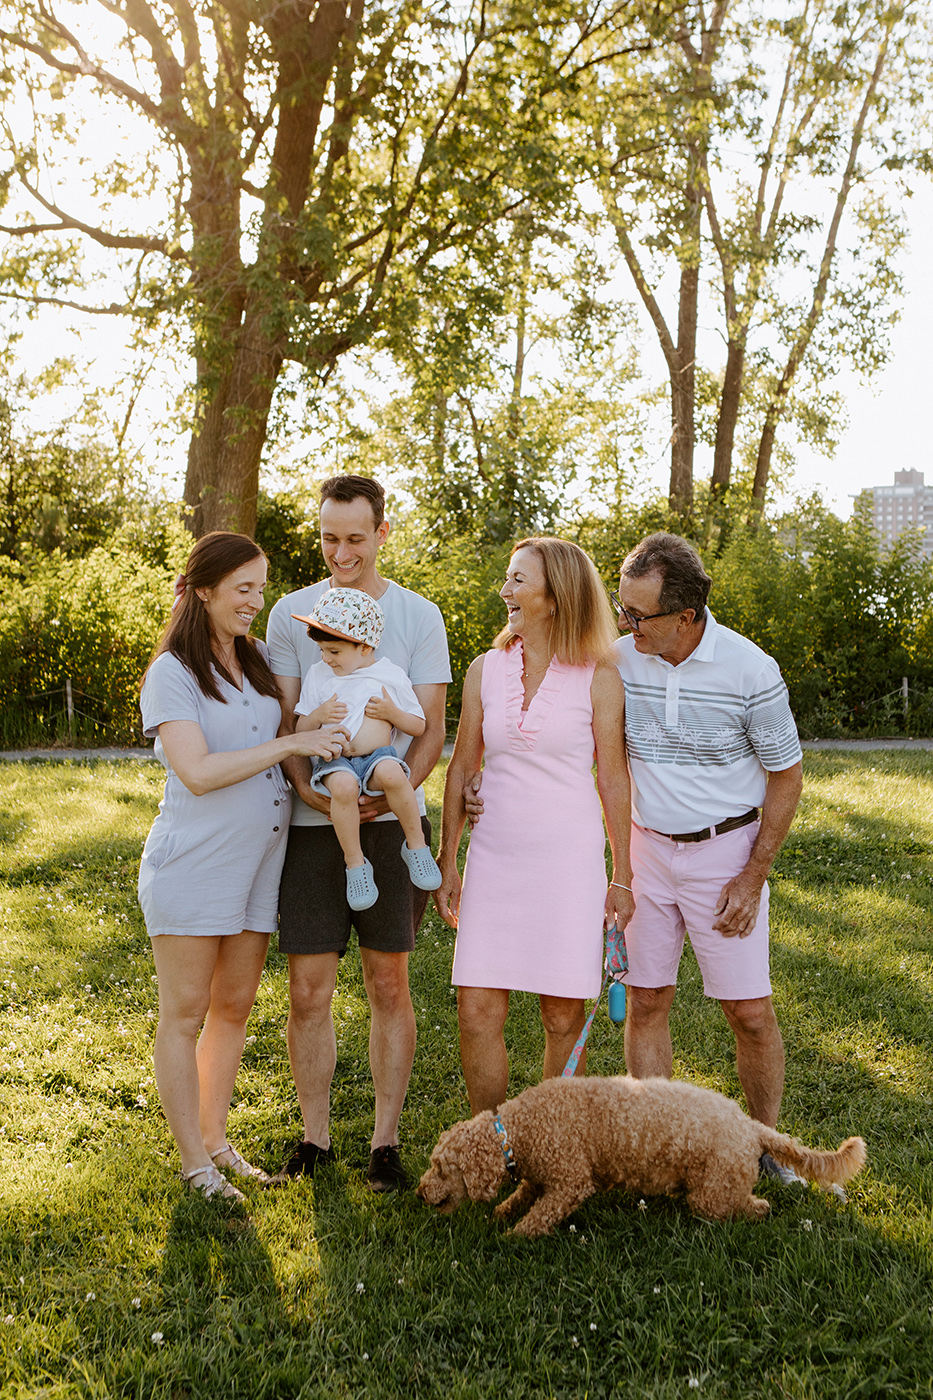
422 867
361 887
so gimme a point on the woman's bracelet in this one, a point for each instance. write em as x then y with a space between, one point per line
627 889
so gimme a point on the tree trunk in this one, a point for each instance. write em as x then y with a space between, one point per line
237 375
682 368
729 405
222 484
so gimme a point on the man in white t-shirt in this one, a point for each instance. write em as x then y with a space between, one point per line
711 740
314 917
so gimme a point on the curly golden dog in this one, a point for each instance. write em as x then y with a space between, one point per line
572 1137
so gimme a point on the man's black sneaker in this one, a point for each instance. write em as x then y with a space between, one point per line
386 1172
305 1159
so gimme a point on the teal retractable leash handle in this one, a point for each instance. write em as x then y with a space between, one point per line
615 967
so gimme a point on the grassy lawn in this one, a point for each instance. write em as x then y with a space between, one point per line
112 1283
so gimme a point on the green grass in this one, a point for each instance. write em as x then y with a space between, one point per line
112 1283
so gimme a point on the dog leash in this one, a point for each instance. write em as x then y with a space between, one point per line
615 967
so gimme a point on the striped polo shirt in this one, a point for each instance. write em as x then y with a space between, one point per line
702 735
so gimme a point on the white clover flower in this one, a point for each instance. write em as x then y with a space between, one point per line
573 1229
574 1342
592 1326
137 1302
365 1355
361 1288
157 1338
641 1204
90 1297
806 1224
693 1383
657 1288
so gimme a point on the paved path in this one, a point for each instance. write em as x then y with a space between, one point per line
108 755
147 755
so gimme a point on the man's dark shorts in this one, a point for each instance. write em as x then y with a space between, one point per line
314 916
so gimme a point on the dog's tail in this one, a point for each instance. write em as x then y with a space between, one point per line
825 1168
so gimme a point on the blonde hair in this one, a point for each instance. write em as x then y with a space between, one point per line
584 627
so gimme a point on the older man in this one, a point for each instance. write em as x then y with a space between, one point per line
716 778
314 916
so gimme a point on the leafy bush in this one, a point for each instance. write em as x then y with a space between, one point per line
94 621
463 581
845 622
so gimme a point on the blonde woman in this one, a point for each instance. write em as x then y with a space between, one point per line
530 916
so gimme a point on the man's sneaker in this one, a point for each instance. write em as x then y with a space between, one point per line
767 1166
305 1159
386 1172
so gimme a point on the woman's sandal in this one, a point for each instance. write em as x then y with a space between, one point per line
239 1165
213 1184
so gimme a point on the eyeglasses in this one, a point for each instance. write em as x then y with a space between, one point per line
633 621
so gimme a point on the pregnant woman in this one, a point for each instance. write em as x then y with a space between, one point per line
209 875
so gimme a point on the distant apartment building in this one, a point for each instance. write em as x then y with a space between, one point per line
906 504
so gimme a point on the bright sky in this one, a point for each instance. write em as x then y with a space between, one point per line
888 427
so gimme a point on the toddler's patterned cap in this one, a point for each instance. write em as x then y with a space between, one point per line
347 613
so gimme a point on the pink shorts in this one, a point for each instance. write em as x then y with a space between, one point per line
677 886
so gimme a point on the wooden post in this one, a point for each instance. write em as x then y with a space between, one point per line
905 692
70 709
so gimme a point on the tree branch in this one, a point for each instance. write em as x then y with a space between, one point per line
799 348
106 240
114 309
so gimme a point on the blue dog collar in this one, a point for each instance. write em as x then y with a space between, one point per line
510 1163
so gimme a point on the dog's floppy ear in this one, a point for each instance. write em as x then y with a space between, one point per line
480 1159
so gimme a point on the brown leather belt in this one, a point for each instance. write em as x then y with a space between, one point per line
730 824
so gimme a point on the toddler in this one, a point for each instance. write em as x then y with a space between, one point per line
372 699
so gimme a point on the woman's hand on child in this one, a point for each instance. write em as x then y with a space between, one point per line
320 743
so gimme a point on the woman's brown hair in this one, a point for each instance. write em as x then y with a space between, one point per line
584 628
188 632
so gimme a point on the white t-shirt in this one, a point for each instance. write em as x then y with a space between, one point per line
357 689
702 735
414 638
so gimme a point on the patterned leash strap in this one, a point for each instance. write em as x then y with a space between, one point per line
615 967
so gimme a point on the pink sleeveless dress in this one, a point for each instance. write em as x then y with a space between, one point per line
534 888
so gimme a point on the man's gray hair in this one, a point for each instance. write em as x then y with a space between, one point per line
685 582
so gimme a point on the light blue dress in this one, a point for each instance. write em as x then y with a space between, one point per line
211 864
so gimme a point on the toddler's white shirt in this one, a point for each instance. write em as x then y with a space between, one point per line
357 689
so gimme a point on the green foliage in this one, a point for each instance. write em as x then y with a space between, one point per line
93 621
750 159
287 533
56 494
845 621
463 578
513 390
113 1283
